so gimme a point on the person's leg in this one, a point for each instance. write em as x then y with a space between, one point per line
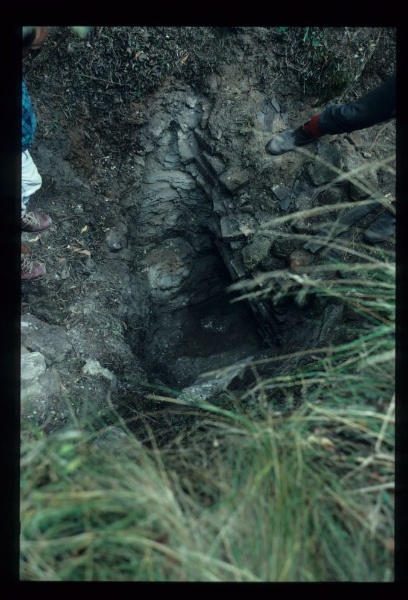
31 182
376 106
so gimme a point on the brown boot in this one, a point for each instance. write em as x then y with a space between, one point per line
33 221
30 270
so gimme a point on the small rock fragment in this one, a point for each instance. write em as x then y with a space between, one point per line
299 259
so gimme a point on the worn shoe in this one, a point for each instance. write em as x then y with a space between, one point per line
289 140
382 229
31 270
33 221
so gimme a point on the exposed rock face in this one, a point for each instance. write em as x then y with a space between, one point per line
187 242
202 214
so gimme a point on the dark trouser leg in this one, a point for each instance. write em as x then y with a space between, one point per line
374 107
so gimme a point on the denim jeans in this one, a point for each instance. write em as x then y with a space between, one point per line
31 180
376 106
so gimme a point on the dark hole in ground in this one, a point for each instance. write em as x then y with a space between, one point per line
182 344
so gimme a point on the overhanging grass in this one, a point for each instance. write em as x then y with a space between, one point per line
291 504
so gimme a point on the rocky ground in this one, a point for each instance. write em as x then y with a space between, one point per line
151 147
